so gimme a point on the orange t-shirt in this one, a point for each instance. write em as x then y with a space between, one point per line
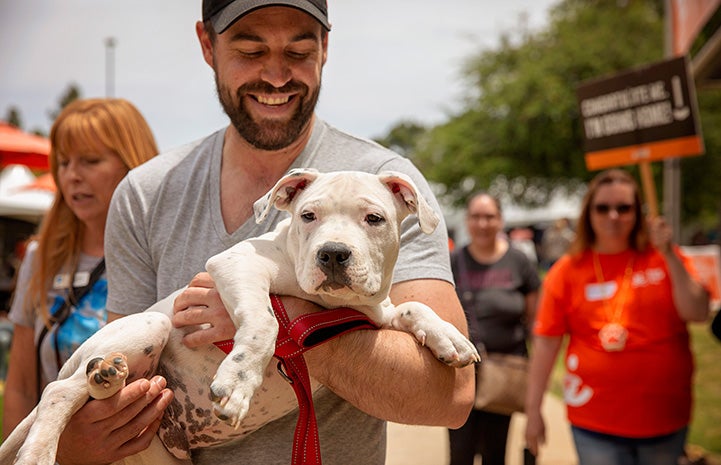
643 390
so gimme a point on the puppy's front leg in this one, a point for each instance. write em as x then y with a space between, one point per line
243 282
442 338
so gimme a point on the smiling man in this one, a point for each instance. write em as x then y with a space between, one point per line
193 202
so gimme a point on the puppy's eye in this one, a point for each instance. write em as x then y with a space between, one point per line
308 216
374 219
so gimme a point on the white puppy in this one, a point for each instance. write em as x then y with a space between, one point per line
337 249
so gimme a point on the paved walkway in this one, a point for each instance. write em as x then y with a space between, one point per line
423 445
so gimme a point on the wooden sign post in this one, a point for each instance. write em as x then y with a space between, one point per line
649 189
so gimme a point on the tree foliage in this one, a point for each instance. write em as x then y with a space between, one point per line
13 117
403 137
71 94
521 120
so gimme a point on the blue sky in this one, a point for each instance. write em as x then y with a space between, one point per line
388 60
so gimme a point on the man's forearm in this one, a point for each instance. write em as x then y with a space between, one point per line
387 374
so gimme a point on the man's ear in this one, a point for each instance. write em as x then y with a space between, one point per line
281 196
325 48
206 43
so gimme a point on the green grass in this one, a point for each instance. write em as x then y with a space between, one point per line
706 422
705 431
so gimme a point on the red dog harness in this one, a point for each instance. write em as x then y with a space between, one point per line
294 338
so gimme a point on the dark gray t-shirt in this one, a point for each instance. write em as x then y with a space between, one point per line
493 297
165 222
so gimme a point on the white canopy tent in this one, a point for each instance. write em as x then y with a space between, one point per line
559 206
19 199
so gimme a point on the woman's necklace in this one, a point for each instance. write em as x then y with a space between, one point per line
613 334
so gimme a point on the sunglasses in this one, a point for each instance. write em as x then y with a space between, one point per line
621 209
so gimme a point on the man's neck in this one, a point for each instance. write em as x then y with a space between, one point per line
247 173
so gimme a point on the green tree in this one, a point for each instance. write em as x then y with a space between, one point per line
13 117
403 137
521 118
71 94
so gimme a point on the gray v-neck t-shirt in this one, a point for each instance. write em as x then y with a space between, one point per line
165 221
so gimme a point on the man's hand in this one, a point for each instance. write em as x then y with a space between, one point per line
104 431
200 305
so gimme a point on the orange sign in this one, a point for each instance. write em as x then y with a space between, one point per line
654 151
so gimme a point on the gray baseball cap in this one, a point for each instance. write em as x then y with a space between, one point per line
223 13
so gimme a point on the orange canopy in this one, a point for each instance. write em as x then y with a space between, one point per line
22 148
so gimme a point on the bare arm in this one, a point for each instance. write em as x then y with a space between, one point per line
531 306
377 371
689 296
543 356
21 386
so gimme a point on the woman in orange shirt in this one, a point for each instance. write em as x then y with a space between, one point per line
623 294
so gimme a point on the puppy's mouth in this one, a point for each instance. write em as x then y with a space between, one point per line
344 290
332 285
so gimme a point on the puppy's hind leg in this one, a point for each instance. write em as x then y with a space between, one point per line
11 445
60 400
141 337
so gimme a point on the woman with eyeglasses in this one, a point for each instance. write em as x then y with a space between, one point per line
623 294
497 285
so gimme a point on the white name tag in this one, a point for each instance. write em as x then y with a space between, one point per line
82 278
62 281
600 291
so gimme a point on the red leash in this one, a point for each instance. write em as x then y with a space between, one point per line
294 338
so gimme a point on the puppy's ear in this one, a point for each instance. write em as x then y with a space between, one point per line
405 191
281 196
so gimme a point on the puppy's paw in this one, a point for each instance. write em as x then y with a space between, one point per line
450 346
233 388
106 376
442 338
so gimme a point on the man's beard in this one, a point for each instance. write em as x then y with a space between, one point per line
268 134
